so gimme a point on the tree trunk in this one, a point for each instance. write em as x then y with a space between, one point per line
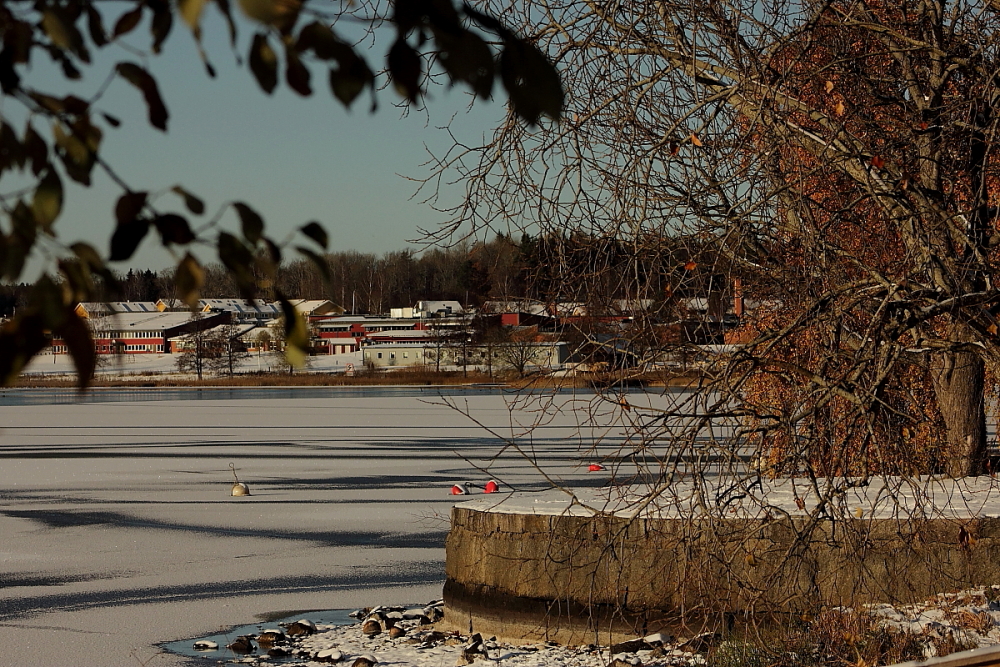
958 384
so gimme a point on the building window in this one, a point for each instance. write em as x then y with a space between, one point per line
406 355
379 355
392 355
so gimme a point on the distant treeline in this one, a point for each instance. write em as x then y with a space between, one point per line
572 267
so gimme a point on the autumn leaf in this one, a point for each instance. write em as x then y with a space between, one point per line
188 280
695 140
877 162
264 63
839 109
316 232
690 266
829 86
144 81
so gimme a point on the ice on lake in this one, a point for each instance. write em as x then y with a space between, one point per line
119 530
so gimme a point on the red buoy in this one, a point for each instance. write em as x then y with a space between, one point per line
459 490
491 487
595 467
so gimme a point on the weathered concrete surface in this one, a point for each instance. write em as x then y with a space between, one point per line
585 576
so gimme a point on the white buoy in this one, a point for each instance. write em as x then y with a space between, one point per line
239 488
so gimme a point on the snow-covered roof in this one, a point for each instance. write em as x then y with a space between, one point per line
147 321
315 306
242 306
367 321
527 306
419 335
237 330
447 307
102 308
174 304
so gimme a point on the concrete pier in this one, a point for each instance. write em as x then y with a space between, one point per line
595 566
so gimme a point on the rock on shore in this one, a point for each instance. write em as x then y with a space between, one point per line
416 641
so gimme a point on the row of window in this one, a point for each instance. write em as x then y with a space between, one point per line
123 348
140 334
406 355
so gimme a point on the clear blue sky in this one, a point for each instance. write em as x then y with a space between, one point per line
293 159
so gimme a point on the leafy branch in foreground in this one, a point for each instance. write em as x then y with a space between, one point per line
62 135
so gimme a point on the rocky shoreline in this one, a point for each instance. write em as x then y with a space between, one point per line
415 636
412 636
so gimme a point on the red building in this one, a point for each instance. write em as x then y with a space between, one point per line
144 333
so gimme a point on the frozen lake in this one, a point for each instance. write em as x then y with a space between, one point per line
119 531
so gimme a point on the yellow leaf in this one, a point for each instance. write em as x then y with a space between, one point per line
281 14
188 280
859 512
695 140
829 86
296 335
190 12
839 109
48 200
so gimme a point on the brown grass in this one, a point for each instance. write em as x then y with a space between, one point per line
833 638
966 619
267 380
364 377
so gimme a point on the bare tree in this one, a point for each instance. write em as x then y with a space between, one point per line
232 351
200 353
837 158
517 350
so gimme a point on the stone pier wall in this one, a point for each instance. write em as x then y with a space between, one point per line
594 578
